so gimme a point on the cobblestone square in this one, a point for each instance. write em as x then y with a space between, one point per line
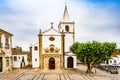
69 74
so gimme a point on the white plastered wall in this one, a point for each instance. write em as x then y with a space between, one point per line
35 57
74 60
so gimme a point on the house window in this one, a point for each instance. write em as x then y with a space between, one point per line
110 61
7 42
35 48
15 58
0 39
7 63
0 42
114 61
67 28
107 62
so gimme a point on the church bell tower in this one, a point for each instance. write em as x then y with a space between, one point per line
67 27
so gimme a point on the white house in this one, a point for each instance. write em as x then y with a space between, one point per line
5 50
35 56
115 59
19 59
51 49
70 58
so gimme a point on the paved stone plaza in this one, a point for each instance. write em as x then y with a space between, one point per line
69 74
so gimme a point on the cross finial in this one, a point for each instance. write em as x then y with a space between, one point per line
51 24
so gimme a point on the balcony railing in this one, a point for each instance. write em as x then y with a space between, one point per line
1 45
7 46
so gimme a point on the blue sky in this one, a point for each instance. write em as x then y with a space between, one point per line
94 19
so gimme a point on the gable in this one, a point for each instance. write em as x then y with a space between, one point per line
51 31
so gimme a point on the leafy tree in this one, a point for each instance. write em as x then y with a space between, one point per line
28 55
118 49
18 48
93 53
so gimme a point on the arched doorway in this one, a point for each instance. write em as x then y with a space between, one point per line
70 62
51 63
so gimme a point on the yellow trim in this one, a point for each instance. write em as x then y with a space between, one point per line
62 51
40 52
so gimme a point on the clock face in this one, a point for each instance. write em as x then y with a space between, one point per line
51 38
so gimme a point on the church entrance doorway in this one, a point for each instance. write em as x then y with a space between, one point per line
70 62
0 64
51 63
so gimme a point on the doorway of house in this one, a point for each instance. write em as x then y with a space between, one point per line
51 63
70 62
23 62
0 64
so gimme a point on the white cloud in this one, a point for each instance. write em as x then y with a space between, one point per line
93 21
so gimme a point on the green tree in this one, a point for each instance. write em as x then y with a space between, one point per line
118 49
93 53
18 48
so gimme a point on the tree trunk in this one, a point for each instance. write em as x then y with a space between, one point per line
85 60
89 69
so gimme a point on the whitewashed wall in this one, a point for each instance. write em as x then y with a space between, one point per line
74 60
47 42
112 61
17 63
35 56
68 41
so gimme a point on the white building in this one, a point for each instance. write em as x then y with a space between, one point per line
19 59
35 55
70 58
115 59
5 50
51 49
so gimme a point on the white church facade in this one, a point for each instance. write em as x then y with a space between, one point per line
52 50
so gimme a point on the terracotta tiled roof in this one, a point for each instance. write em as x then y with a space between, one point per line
115 54
17 52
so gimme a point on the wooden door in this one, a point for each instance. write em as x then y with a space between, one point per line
70 62
51 63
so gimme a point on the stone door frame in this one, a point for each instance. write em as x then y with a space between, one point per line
51 63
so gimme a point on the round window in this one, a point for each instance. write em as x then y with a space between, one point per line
51 38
